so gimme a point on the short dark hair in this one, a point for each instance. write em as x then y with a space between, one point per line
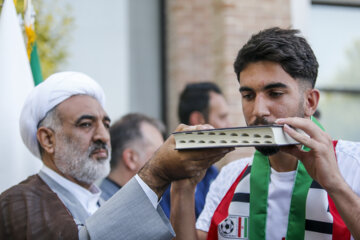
127 130
195 97
283 46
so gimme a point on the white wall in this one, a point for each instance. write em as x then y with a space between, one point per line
99 48
117 43
145 75
300 15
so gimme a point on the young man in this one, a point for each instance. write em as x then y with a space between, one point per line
201 103
134 139
63 122
273 195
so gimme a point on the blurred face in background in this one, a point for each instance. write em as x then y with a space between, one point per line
218 115
152 140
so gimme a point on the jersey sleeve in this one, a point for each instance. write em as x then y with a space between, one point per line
348 157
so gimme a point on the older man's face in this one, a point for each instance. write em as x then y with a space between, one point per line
82 149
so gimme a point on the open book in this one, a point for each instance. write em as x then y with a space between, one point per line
233 137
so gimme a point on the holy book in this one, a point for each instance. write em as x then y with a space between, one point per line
266 135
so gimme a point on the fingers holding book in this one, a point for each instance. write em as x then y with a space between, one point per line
319 159
168 164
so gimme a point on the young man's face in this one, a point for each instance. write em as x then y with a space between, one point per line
269 93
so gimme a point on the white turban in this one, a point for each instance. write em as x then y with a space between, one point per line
44 97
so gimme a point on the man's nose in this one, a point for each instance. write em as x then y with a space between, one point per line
260 108
102 133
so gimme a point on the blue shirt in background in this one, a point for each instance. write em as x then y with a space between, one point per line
200 193
108 188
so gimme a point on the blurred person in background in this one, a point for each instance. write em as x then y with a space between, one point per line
134 139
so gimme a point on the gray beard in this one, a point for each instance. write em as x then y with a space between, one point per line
72 162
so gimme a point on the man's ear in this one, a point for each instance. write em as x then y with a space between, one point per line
130 158
46 138
196 118
312 97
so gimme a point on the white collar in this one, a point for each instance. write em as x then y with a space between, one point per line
88 198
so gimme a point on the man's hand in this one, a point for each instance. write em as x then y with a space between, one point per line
320 161
168 164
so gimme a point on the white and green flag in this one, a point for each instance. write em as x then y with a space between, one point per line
31 46
16 162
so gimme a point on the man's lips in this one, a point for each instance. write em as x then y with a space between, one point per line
100 153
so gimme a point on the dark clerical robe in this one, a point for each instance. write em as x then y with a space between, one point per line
31 210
